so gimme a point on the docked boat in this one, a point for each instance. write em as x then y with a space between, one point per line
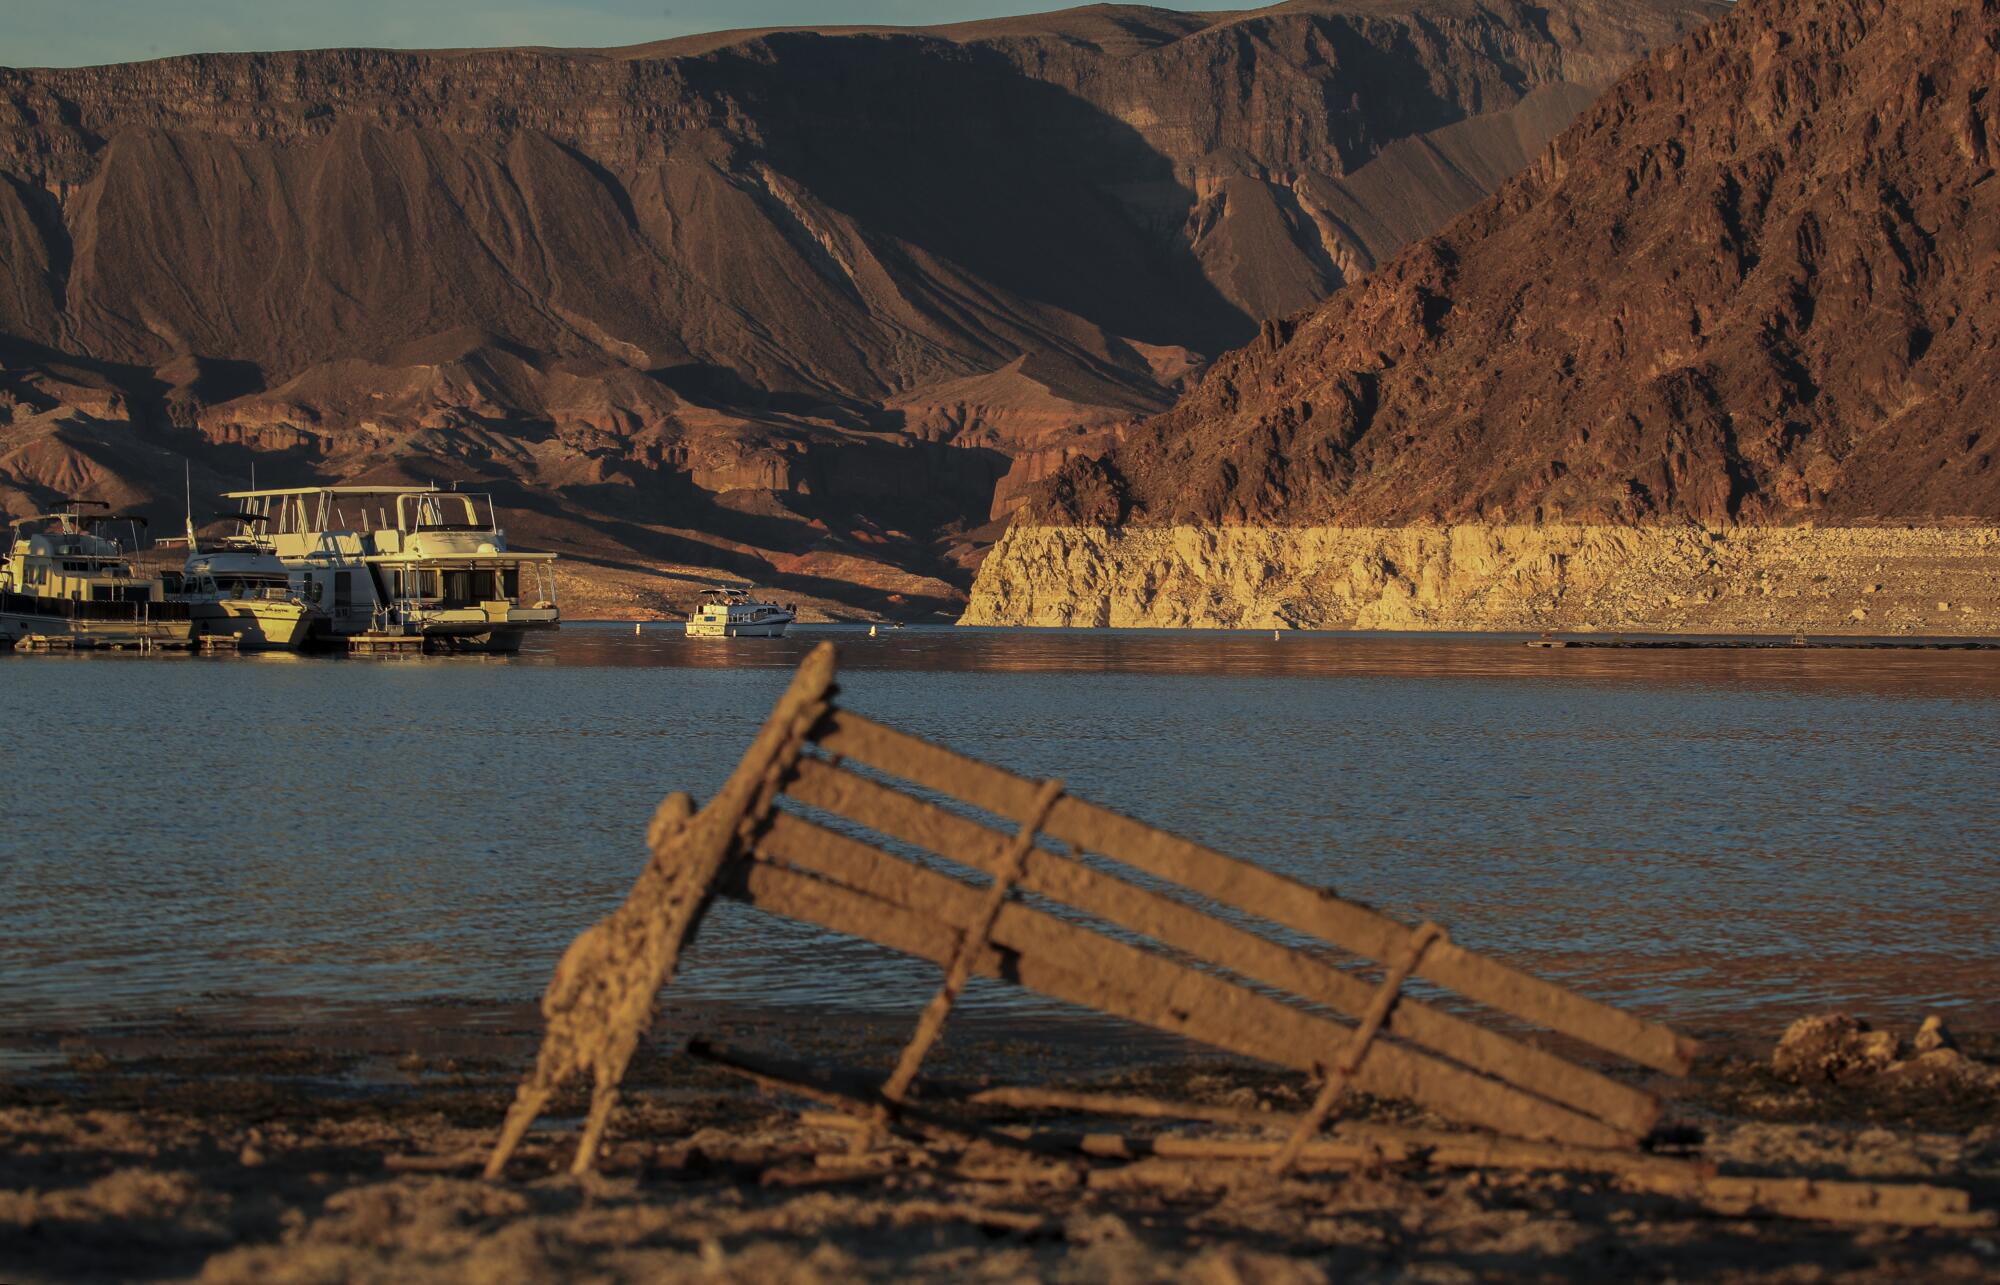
419 565
733 613
239 589
67 581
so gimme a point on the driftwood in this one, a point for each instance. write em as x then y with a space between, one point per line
798 831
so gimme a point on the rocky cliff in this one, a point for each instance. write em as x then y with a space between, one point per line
1672 578
806 306
1754 289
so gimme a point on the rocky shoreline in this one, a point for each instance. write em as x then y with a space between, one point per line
1934 580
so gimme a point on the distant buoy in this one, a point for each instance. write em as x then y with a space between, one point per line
635 626
1274 635
871 631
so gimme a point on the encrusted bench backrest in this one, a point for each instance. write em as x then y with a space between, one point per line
805 829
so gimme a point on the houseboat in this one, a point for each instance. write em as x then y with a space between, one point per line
68 581
414 563
733 613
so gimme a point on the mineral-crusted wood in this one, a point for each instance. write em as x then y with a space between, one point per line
1179 967
1187 972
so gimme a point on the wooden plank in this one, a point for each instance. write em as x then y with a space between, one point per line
920 912
1341 1074
1367 1143
1891 1204
1184 928
775 1078
1258 891
601 998
1029 1098
931 1024
1382 1147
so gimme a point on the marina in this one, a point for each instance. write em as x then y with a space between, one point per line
414 569
69 584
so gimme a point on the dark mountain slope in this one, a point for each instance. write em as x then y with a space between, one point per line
1758 282
799 305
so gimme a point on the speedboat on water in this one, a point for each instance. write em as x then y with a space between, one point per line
732 613
238 588
66 578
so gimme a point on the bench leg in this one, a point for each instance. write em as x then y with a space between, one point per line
1343 1069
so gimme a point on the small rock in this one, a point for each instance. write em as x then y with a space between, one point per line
1944 606
1933 1035
1859 613
1832 1047
1944 1069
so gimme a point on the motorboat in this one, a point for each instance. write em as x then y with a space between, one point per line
420 564
67 579
238 588
733 613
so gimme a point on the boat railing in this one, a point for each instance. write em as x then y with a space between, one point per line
122 609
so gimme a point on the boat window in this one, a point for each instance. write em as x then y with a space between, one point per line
448 513
100 593
510 583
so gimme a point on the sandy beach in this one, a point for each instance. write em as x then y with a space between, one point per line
238 1152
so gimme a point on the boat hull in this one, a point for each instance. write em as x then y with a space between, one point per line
762 629
92 623
504 641
256 626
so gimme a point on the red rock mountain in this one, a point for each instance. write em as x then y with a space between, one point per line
805 306
1758 282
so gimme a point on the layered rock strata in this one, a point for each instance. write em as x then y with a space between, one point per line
1688 578
1755 289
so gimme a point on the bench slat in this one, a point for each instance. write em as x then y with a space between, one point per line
1187 929
1258 891
901 905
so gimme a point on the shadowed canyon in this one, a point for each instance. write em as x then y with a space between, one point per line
815 309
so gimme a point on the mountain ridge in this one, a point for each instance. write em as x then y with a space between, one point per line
1752 284
1717 361
787 296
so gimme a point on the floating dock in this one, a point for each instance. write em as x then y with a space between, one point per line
84 642
376 644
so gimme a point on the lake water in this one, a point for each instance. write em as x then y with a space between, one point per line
1722 839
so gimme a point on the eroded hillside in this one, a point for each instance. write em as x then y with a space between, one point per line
807 307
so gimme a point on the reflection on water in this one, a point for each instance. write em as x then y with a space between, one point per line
1715 837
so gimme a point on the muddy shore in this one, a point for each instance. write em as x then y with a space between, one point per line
232 1151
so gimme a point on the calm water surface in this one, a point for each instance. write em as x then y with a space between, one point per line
1721 839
